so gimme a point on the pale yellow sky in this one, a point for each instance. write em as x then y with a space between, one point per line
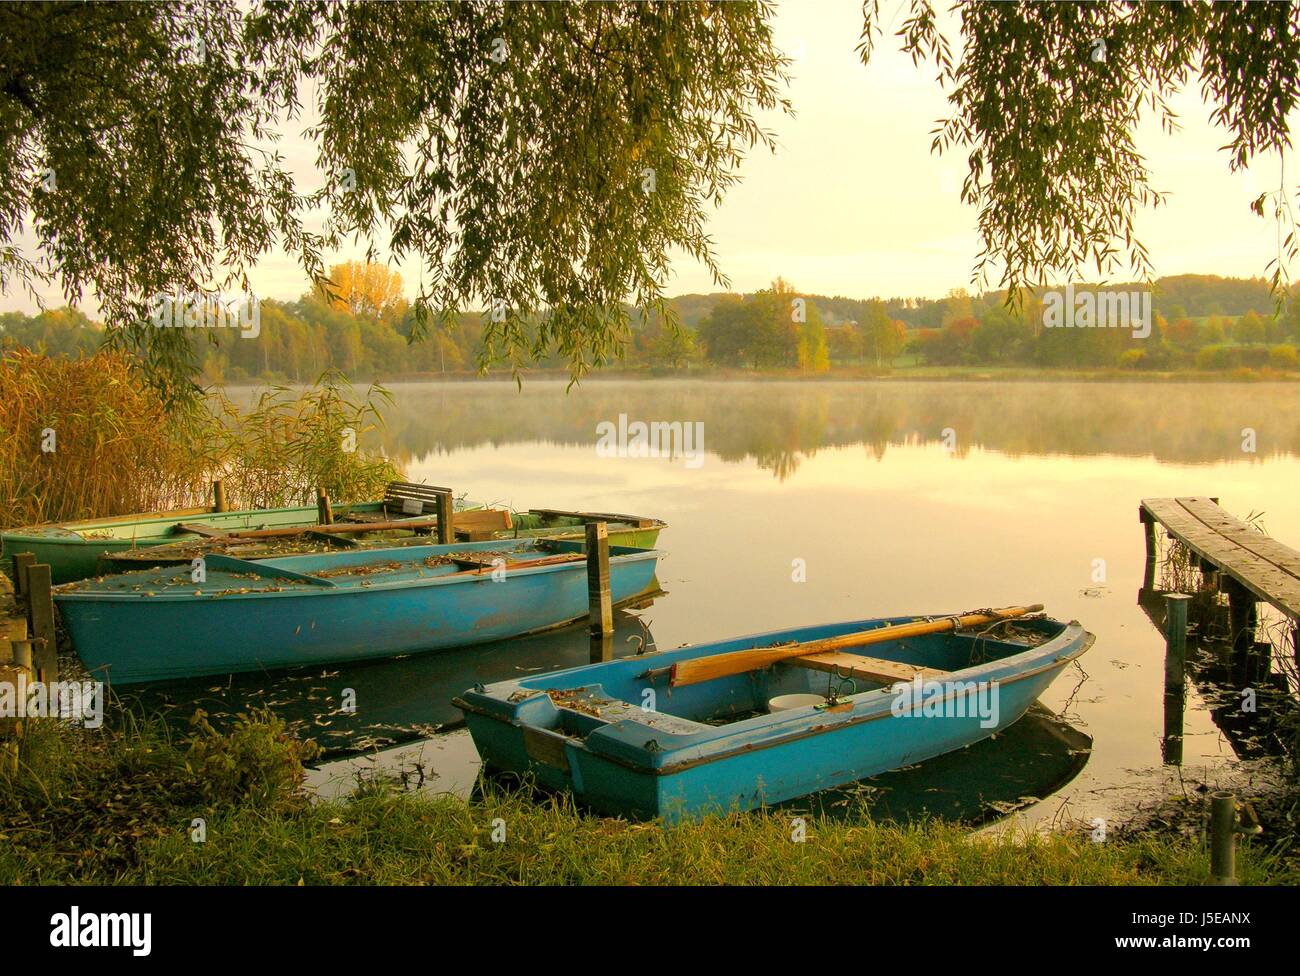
854 203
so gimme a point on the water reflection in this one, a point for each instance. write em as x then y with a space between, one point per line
395 700
1249 702
778 425
1031 760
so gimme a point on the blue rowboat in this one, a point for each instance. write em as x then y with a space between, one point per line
331 607
625 742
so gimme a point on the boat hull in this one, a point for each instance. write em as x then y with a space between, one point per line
135 639
675 771
73 550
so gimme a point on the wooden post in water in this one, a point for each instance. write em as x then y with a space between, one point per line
40 614
1223 838
1175 640
1149 528
1241 614
602 648
21 561
598 590
1171 743
218 496
446 531
324 512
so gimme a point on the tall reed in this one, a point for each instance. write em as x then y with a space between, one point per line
291 442
85 438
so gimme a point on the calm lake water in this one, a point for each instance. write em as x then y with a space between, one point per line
895 497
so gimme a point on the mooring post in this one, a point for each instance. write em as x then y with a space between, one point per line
21 561
1149 528
602 648
1175 639
1223 838
446 533
40 615
218 496
598 592
324 513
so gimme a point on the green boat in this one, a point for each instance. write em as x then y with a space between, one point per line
470 525
77 550
73 550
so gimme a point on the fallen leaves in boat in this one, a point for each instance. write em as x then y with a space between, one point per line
368 569
572 699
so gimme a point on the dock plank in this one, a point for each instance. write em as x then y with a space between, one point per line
1269 569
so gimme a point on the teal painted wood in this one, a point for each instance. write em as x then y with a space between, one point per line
277 613
72 550
651 753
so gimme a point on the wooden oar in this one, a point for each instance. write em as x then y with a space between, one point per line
738 662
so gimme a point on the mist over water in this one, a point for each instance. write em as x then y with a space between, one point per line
856 483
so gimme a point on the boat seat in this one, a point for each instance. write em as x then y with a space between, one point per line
615 710
868 668
403 499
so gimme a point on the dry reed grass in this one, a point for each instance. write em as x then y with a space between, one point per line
119 449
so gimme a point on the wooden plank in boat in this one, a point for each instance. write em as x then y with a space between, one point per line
550 513
480 524
199 528
546 746
409 498
868 668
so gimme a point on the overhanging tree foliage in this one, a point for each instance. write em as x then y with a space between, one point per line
1046 98
540 159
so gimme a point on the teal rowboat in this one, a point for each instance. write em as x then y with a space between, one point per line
73 549
332 607
625 742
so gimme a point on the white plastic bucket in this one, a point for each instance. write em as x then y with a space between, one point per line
784 703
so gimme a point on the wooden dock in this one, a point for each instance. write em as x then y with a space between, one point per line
1233 557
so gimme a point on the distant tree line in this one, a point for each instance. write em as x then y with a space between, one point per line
362 325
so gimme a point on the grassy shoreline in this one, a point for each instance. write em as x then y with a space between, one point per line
123 806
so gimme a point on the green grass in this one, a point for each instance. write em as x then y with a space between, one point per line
118 807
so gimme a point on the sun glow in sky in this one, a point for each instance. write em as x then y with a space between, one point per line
854 203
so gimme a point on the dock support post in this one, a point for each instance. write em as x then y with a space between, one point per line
1223 838
218 496
1175 639
40 615
1149 528
598 591
1241 614
324 513
446 535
